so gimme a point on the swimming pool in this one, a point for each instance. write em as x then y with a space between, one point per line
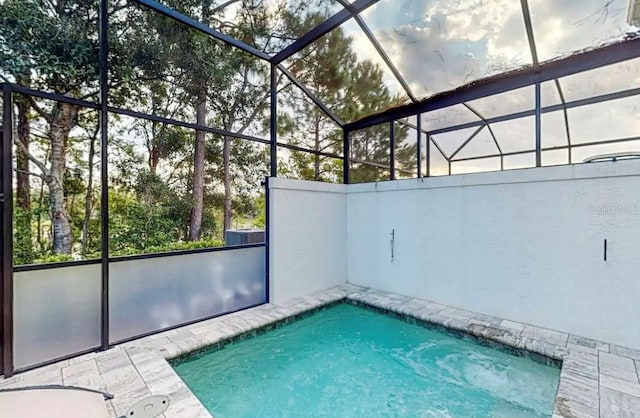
347 361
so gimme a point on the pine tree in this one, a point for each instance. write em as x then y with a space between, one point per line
352 89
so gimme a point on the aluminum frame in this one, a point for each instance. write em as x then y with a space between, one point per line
199 26
551 71
533 75
104 173
539 73
512 80
322 29
6 239
379 49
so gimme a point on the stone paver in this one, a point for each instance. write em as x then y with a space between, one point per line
618 404
597 379
583 344
625 352
514 326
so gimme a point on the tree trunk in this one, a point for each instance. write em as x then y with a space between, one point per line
64 118
195 225
23 186
23 190
316 159
39 221
226 157
154 151
89 195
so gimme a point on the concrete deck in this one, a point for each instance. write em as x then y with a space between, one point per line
597 379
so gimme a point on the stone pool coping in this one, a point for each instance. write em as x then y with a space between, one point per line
597 379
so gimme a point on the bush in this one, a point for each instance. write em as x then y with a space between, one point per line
172 246
169 247
53 258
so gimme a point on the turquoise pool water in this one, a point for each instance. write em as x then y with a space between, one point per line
348 361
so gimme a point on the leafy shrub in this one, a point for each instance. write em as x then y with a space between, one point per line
172 246
53 258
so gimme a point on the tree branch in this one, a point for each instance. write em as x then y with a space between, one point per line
223 6
38 163
259 108
29 173
43 113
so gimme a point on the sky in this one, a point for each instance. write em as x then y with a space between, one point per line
438 45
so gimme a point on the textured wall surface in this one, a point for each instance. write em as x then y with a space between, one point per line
308 250
524 244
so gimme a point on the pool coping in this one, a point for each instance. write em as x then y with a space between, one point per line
597 379
477 338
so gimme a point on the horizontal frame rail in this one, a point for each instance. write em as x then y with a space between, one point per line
188 125
131 113
116 259
554 148
527 113
523 77
308 151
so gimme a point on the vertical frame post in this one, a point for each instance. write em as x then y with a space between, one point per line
273 158
266 240
428 154
419 144
538 126
273 121
6 241
346 147
392 146
104 172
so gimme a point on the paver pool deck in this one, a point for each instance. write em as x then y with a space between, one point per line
597 379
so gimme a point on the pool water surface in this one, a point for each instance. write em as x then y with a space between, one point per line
347 361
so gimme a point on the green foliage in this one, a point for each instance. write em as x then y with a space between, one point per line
352 89
146 219
260 221
52 42
161 67
171 246
73 182
53 258
23 252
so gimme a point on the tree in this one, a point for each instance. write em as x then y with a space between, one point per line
56 44
23 187
323 67
352 89
222 84
171 184
241 97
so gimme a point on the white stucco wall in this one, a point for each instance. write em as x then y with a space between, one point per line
525 244
307 237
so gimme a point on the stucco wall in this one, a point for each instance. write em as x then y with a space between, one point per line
524 244
308 250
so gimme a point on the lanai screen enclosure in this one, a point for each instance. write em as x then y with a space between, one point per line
136 133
